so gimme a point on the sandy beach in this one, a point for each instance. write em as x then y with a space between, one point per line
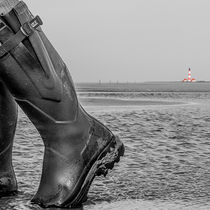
166 134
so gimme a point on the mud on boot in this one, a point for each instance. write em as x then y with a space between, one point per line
8 184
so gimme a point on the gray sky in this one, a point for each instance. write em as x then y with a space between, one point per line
129 40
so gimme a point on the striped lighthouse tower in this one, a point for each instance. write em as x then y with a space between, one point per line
189 76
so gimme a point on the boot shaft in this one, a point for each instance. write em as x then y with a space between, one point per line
35 73
8 120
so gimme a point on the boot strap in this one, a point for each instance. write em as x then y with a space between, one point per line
26 30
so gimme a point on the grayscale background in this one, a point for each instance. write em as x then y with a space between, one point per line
128 59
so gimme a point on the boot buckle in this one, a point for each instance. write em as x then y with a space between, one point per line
28 28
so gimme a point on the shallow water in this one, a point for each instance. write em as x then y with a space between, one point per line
166 164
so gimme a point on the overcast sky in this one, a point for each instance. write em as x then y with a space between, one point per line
129 40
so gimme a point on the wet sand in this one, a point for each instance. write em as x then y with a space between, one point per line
97 101
166 164
145 205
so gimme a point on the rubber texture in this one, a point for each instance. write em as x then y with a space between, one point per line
101 165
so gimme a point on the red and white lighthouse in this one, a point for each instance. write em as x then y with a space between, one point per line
189 79
189 75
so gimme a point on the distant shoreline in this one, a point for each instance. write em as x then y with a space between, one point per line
151 82
144 87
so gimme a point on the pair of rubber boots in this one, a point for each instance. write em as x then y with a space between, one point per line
77 146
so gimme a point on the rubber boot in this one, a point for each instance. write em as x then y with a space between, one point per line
8 119
77 146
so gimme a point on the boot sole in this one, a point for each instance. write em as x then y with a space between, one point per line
105 162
